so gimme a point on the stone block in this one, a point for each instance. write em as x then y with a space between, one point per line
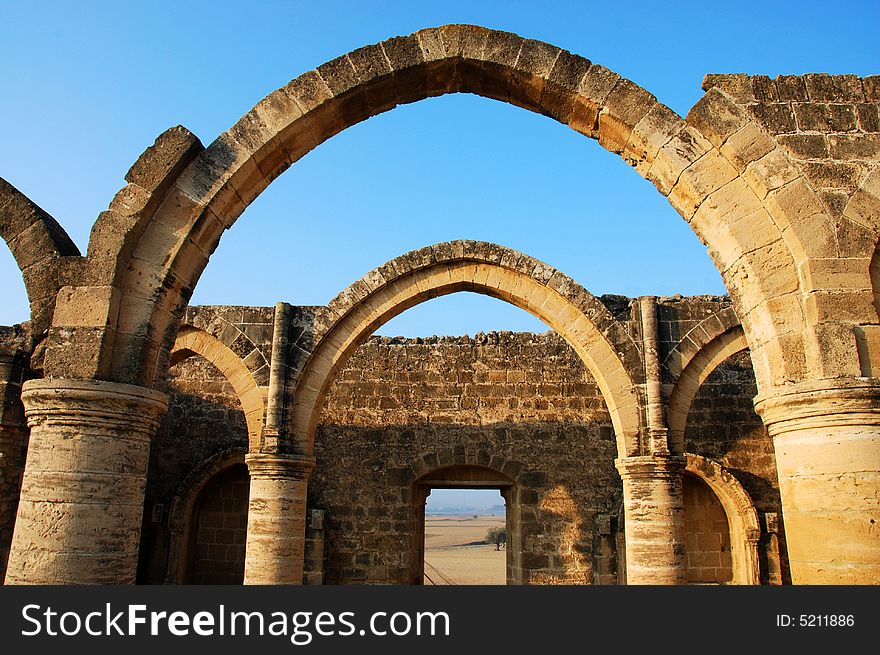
855 146
159 164
737 85
770 172
747 145
716 117
682 150
805 146
822 87
869 117
776 118
791 87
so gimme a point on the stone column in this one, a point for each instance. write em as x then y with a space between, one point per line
276 518
826 434
653 519
82 496
655 417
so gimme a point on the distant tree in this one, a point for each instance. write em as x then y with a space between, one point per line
497 536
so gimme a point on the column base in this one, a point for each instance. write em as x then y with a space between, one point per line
82 494
276 518
654 519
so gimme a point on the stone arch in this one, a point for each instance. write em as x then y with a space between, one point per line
38 245
697 338
193 341
475 468
180 516
745 530
600 341
701 174
699 367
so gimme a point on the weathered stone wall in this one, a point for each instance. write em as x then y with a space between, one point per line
13 431
522 397
706 535
520 403
723 426
220 519
204 418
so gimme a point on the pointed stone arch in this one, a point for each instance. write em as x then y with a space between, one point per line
193 341
698 368
182 510
40 247
601 342
701 174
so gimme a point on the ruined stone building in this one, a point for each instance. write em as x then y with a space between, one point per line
642 441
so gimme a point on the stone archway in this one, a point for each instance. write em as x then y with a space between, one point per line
699 164
697 369
742 519
766 227
182 513
470 476
41 249
599 340
192 341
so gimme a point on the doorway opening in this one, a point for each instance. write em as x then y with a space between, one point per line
466 532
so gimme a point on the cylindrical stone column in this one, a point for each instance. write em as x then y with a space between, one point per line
276 527
826 434
82 494
653 519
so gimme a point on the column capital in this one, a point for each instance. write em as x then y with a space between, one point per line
279 466
831 402
643 467
79 401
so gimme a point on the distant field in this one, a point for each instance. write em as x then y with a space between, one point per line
448 558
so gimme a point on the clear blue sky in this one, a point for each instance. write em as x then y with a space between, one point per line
87 86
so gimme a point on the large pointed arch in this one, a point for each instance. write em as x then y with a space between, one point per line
41 249
602 343
717 168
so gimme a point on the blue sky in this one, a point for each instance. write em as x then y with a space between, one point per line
88 86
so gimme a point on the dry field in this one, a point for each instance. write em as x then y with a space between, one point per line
448 558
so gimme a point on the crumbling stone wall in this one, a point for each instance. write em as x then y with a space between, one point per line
402 407
524 396
706 535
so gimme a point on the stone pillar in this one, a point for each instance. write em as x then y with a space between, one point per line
82 497
826 434
655 417
654 519
276 518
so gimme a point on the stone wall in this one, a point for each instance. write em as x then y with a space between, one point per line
14 362
706 535
204 418
521 404
723 426
220 519
402 406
